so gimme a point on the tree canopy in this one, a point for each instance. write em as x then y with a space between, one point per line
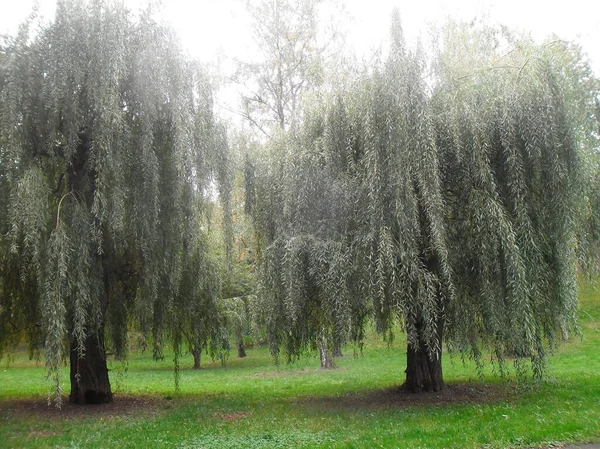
449 205
108 149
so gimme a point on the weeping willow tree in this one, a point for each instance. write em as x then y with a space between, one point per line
476 195
517 143
452 207
303 210
404 235
107 143
198 318
360 223
482 188
195 317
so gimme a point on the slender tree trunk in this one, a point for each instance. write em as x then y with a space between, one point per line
327 361
197 353
424 367
89 374
241 349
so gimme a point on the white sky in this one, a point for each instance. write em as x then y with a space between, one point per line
207 26
213 28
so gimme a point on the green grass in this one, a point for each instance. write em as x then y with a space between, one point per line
251 403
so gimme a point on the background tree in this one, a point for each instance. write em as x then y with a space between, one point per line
240 319
105 136
304 215
238 293
294 46
197 314
298 48
199 318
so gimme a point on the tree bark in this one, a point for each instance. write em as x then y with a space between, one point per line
241 349
197 353
89 374
424 367
327 361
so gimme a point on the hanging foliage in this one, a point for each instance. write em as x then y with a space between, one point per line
107 147
455 205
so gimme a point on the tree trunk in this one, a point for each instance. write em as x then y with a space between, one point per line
197 353
241 349
327 361
424 367
89 374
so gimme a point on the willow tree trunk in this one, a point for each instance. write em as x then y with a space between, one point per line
423 365
197 353
327 361
241 349
89 374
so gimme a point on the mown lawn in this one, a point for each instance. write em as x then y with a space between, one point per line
251 403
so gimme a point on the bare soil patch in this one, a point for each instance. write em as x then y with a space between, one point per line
122 406
453 394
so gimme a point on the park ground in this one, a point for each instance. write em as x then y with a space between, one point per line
253 403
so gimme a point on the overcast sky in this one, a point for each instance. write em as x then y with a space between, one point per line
214 30
210 27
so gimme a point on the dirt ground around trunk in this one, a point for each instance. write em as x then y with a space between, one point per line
121 406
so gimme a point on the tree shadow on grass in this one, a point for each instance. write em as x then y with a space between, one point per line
395 398
122 406
125 406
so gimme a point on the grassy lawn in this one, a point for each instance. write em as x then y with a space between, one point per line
251 403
